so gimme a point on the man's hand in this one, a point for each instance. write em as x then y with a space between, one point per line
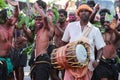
67 4
95 63
35 5
118 25
20 41
21 27
97 7
113 24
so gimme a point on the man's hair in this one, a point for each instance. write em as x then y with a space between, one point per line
3 16
71 13
91 3
63 11
104 11
42 4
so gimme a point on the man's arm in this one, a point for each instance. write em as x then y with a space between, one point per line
67 4
117 36
100 44
66 36
64 43
27 32
117 32
16 10
52 27
99 54
114 29
96 8
43 15
39 9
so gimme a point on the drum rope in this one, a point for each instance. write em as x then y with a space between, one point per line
61 57
87 31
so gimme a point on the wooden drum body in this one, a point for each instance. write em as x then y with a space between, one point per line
72 55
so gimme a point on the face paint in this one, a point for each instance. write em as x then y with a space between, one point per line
72 18
41 25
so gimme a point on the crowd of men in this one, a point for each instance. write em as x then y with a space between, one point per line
50 32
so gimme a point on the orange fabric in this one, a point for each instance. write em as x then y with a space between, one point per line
69 76
78 73
82 7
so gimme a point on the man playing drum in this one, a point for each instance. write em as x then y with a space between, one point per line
107 70
74 31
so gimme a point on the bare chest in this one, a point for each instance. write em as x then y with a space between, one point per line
59 31
6 35
42 36
109 38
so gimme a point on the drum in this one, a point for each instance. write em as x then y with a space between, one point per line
72 55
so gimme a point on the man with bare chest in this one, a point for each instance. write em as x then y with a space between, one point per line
40 70
59 31
5 39
108 61
60 27
6 33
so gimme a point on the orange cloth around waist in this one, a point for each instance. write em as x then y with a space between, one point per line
69 76
78 73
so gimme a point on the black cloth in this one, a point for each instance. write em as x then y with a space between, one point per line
4 72
118 54
49 51
31 60
106 69
18 58
41 71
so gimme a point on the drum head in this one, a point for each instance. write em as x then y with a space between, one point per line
81 53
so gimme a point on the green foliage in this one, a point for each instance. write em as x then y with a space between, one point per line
1 21
83 1
9 13
98 24
2 4
28 49
24 19
118 59
55 17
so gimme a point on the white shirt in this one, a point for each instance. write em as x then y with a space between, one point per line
73 32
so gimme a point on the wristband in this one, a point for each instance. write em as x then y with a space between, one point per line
98 60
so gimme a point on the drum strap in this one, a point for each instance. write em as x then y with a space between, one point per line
87 31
